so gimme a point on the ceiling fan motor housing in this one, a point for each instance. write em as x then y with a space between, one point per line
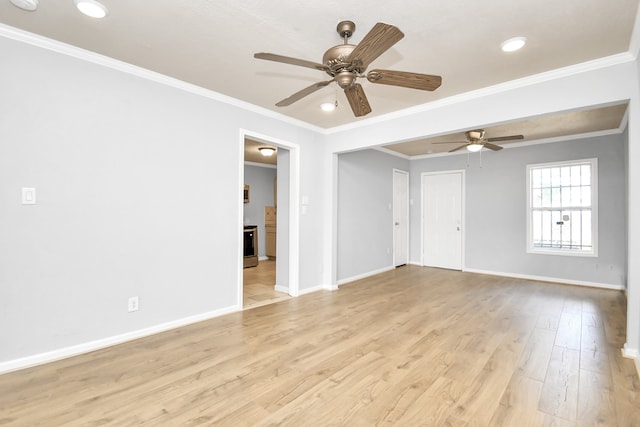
336 59
475 135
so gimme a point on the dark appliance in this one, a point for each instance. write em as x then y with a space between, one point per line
250 246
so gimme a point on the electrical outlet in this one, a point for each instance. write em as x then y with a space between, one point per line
133 304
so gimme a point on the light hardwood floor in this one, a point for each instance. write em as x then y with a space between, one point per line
410 347
258 285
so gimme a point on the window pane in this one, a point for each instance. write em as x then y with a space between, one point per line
546 228
555 176
536 178
555 197
575 175
586 196
546 197
565 176
566 196
536 198
546 177
586 174
587 242
556 229
576 196
576 229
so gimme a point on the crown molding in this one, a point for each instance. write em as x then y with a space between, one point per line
568 71
634 42
16 34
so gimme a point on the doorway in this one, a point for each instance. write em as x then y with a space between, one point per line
442 219
400 217
275 277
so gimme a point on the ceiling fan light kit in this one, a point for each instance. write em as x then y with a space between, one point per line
329 106
346 63
476 141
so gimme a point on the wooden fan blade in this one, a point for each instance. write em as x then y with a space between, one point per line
357 100
492 146
301 94
405 79
375 43
458 148
505 138
289 60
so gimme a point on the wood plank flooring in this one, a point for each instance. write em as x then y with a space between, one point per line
411 347
258 285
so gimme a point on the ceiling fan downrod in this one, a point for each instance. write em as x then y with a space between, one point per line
346 30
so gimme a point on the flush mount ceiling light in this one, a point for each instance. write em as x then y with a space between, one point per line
474 147
513 44
28 5
267 151
91 8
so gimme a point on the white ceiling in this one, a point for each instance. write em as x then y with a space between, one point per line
211 43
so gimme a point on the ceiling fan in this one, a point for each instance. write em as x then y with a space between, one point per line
476 140
346 62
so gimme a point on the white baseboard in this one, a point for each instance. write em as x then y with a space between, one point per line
75 350
330 287
632 353
548 279
310 290
283 289
364 275
263 258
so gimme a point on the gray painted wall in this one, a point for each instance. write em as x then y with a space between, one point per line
365 214
260 181
496 210
139 194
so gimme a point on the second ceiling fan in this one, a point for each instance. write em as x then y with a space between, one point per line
476 140
346 63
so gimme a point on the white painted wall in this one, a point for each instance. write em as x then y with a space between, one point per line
139 194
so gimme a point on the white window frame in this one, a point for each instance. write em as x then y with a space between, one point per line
594 210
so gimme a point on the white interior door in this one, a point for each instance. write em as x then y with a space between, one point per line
442 208
400 217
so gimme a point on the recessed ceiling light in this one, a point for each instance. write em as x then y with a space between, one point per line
513 44
29 5
91 8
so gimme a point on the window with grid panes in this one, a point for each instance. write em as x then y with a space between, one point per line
562 207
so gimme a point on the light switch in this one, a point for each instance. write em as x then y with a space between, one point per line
28 196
